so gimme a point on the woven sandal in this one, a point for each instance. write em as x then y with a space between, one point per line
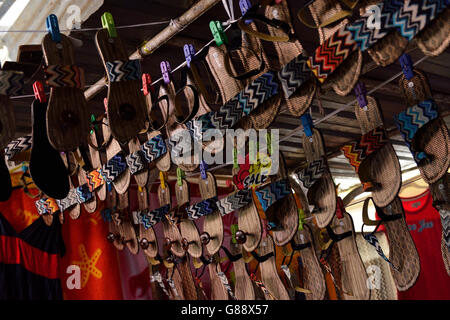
90 205
353 276
316 181
11 83
343 71
47 169
147 237
243 288
96 159
72 166
435 38
373 156
403 256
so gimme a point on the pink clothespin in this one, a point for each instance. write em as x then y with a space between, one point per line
39 93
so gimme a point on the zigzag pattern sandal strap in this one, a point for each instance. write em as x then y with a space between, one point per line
357 151
234 201
11 82
260 90
309 175
278 190
114 167
47 206
68 201
411 120
135 162
17 146
202 208
65 76
124 70
373 240
95 179
328 56
150 218
294 74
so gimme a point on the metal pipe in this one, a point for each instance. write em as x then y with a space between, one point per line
175 26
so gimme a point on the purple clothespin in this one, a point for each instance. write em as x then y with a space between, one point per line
189 53
165 70
245 5
203 169
361 94
407 66
307 124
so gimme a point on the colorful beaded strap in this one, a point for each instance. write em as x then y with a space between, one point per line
294 74
46 206
149 218
17 146
411 120
234 201
202 208
124 70
64 76
358 151
270 194
11 82
95 179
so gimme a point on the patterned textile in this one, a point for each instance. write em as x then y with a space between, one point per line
114 167
70 200
83 193
411 120
153 148
124 70
234 201
202 208
226 284
64 76
11 82
270 194
372 239
47 206
17 146
135 162
445 221
95 179
294 74
150 218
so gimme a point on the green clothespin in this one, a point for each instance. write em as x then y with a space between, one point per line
180 175
108 23
301 219
235 159
217 31
93 119
234 228
269 142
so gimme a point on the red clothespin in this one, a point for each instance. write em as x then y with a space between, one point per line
165 70
340 208
105 103
361 94
147 83
228 183
39 93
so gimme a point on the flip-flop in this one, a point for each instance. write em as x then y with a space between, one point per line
435 38
11 83
373 157
243 287
67 113
354 276
47 169
91 205
96 159
126 105
403 256
18 149
147 237
316 181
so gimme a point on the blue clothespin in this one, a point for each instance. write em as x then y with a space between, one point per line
165 70
307 124
189 53
361 94
203 169
218 33
407 66
53 27
245 5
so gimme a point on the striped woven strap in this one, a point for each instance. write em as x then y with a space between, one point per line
258 91
17 146
135 162
149 218
64 76
95 179
83 193
294 74
202 208
414 15
11 82
373 240
153 149
198 126
47 206
328 56
114 167
70 200
411 120
119 70
309 175
234 201
226 284
270 194
357 151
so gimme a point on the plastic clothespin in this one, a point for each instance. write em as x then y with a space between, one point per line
269 142
235 158
105 103
147 83
245 5
53 27
162 179
93 119
307 124
140 189
180 175
234 228
339 208
108 23
189 53
361 94
39 93
203 170
218 33
165 71
407 66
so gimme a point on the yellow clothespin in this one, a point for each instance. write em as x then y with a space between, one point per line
162 179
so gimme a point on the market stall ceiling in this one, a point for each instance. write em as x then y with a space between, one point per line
337 130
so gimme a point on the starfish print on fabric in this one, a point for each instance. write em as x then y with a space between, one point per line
87 265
